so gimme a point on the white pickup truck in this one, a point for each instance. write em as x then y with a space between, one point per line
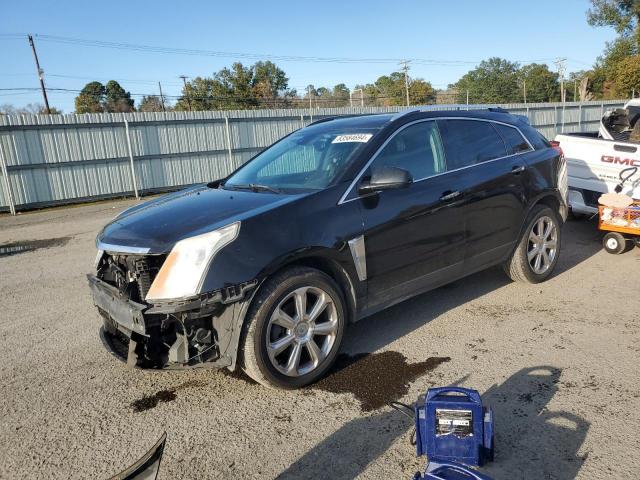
596 159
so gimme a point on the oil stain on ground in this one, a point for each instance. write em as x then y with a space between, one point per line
168 395
375 379
30 245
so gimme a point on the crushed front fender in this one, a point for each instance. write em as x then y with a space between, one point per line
202 332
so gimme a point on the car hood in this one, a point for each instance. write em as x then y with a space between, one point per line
157 225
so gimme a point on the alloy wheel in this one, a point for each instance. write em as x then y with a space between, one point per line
543 245
302 331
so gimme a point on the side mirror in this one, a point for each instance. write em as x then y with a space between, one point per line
385 178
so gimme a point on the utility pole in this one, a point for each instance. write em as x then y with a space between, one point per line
309 94
161 96
184 80
40 74
575 89
524 88
561 64
405 68
361 96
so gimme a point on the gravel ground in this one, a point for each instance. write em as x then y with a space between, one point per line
557 361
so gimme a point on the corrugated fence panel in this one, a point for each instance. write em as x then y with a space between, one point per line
4 200
54 159
182 170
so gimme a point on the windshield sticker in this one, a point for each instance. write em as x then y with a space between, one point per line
353 137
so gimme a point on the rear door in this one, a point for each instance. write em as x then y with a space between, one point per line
490 157
414 239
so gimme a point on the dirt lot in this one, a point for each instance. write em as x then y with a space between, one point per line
557 361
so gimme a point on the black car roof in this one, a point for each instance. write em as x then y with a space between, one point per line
487 114
380 120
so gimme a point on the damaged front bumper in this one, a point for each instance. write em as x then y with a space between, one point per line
197 332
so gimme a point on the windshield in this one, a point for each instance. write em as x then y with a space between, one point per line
309 159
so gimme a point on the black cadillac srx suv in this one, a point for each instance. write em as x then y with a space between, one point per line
265 268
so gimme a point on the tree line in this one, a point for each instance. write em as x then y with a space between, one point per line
265 85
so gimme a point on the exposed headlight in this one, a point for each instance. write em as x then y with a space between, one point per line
182 272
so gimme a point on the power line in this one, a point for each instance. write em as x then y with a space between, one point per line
252 56
123 80
16 93
200 52
257 56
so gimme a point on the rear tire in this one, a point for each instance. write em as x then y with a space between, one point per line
293 329
536 254
614 243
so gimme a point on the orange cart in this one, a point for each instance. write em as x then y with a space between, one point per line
622 226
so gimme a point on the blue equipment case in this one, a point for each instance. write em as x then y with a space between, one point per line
453 426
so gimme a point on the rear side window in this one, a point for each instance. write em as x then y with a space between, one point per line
417 149
513 138
469 142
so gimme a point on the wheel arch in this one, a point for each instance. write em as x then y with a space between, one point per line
553 200
323 261
338 274
550 201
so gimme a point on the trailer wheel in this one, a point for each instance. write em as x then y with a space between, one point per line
636 241
614 243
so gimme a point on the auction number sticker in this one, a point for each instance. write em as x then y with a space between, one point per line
353 137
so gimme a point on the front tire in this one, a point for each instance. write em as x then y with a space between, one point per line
536 254
293 329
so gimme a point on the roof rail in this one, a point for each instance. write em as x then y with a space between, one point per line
497 110
430 108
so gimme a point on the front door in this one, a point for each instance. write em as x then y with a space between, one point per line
413 237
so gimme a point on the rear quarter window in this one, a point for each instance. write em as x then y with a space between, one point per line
535 137
514 140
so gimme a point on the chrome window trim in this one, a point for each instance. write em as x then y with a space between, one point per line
108 247
343 198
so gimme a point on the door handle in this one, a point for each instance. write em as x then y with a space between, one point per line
518 169
446 196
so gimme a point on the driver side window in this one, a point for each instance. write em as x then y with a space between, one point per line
417 149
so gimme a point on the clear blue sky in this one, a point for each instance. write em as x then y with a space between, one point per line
462 30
